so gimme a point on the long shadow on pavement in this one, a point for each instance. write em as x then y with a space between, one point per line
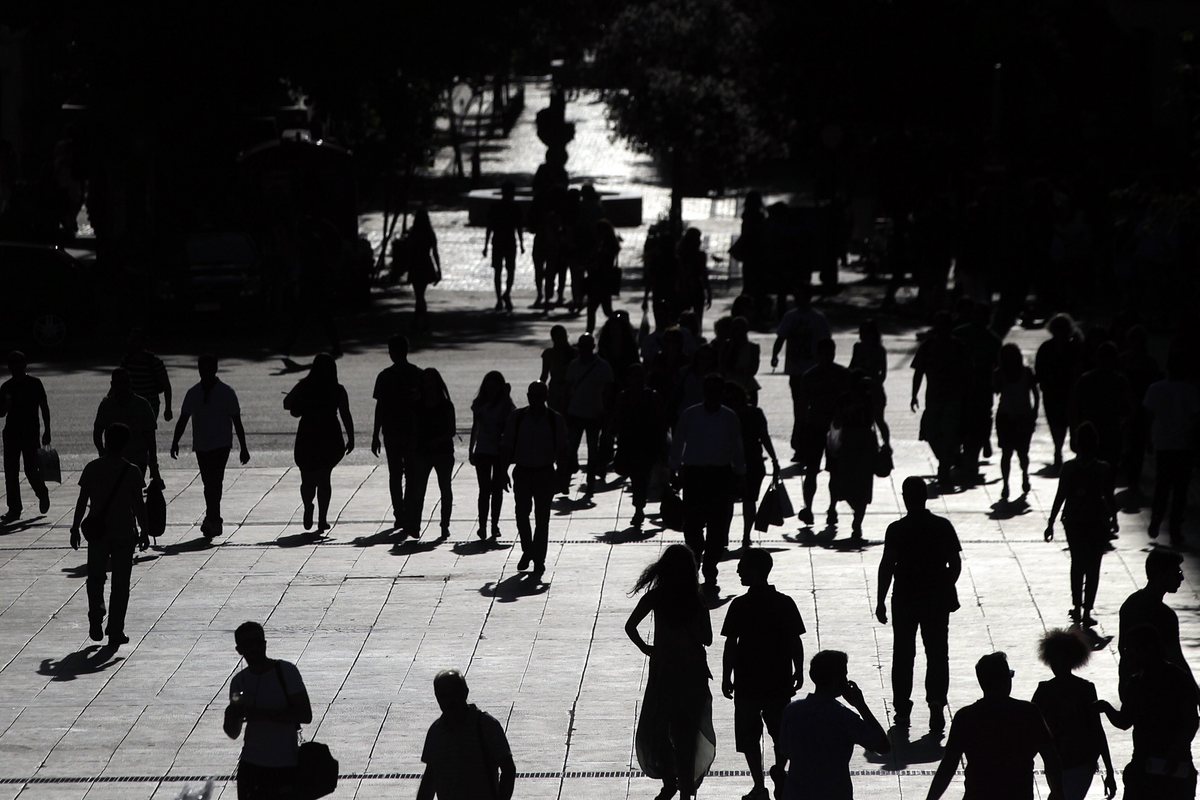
513 588
477 547
87 661
925 750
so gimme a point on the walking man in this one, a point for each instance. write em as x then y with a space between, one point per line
396 391
504 232
762 665
122 406
822 388
589 381
466 753
147 374
534 443
22 398
112 488
710 462
269 698
213 408
999 736
920 551
801 328
1146 608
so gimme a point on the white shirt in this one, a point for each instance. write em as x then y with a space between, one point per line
212 420
708 439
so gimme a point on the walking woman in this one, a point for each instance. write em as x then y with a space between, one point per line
603 277
1016 414
695 292
854 446
1058 364
318 400
489 415
433 450
641 434
426 266
1085 488
869 354
675 740
755 439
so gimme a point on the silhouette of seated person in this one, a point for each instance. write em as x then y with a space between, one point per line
466 752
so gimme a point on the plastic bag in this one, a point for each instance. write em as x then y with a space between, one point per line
156 509
49 464
775 508
671 510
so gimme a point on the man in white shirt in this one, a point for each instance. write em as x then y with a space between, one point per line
1173 406
213 408
589 379
466 753
708 458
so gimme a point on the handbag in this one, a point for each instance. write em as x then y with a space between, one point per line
316 768
156 509
884 464
49 465
775 508
671 510
658 482
93 524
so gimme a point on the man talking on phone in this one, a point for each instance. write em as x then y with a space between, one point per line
819 733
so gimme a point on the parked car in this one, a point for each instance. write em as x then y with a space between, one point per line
47 290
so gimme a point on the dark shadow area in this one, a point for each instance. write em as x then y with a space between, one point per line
513 588
142 559
79 572
196 545
87 661
1048 471
1131 501
852 545
1008 509
297 539
413 546
18 525
627 535
291 367
475 547
927 749
565 506
733 554
383 537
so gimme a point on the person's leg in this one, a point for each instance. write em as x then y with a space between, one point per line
575 429
593 303
904 654
772 715
523 506
445 469
594 468
813 445
121 559
747 734
860 512
1091 578
1023 460
212 474
543 495
1076 781
324 495
33 469
935 629
721 517
1078 563
498 476
682 734
418 484
12 472
694 513
539 266
308 491
97 575
754 481
1058 434
419 306
639 481
1006 454
797 414
497 274
394 450
483 479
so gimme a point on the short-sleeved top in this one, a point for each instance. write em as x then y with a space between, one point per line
763 623
1089 490
396 390
264 743
1175 408
504 219
817 739
999 737
1015 396
801 329
464 755
946 363
147 374
587 382
1068 706
23 397
919 546
1143 607
134 412
99 480
212 416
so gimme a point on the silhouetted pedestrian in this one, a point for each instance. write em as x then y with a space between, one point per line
617 344
1058 364
641 437
1172 409
942 360
821 389
801 328
854 445
489 416
466 752
869 355
397 389
268 697
604 274
738 358
750 248
762 664
1085 488
819 734
1141 370
22 398
999 736
147 374
1068 705
535 443
756 438
589 381
505 233
110 493
982 350
675 740
319 400
1158 700
1016 414
694 289
1101 397
709 459
212 408
921 552
425 264
555 360
433 451
122 406
1146 607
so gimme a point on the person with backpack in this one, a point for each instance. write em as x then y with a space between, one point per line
534 443
466 752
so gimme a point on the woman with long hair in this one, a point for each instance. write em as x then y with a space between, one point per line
489 415
1016 414
675 740
1085 488
755 439
319 400
433 450
426 264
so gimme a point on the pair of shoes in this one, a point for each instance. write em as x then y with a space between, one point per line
96 630
666 792
901 719
117 639
445 532
856 532
508 306
537 303
757 793
523 563
538 571
308 516
481 533
495 530
805 515
1088 619
12 515
987 449
1074 615
937 719
639 517
499 304
1004 494
323 526
44 502
1025 487
211 528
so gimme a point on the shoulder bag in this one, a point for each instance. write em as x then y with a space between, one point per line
316 768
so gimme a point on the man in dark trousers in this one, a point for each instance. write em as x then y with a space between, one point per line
22 397
535 443
999 736
466 753
822 387
395 395
920 551
762 665
710 462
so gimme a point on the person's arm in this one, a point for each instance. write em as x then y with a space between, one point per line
471 440
347 420
437 260
1037 396
244 453
945 770
953 566
1119 719
886 570
152 454
768 445
678 441
44 406
139 514
874 736
1110 783
797 663
705 631
881 424
639 613
728 655
704 280
80 510
521 235
775 348
487 237
235 715
1060 497
918 376
180 427
166 392
98 435
376 446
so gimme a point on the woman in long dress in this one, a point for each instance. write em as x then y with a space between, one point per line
318 400
675 740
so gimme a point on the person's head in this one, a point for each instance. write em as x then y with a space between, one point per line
398 348
994 675
508 190
868 331
1063 651
1086 441
250 641
491 388
17 363
754 567
116 437
558 337
674 572
606 233
421 219
723 328
826 350
739 329
635 377
451 691
829 670
1106 356
536 394
714 390
586 345
803 295
433 387
689 322
587 192
206 365
1164 569
734 396
915 493
943 323
690 243
1011 361
323 369
753 203
120 383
